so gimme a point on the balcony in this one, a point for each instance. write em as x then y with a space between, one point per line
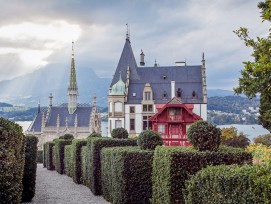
175 118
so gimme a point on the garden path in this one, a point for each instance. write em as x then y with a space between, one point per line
53 188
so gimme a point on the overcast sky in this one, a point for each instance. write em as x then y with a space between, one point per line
35 33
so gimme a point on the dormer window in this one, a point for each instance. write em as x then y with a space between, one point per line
193 94
164 94
147 96
164 77
179 93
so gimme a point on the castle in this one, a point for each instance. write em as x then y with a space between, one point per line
76 119
166 99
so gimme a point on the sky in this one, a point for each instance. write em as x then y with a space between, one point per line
35 33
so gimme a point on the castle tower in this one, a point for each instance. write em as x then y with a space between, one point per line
72 88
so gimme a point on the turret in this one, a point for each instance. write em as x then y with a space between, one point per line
72 88
142 63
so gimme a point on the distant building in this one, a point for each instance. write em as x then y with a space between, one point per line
78 120
166 99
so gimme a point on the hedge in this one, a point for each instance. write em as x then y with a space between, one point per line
126 175
48 152
67 160
76 159
229 184
30 168
44 155
94 147
40 156
172 166
84 165
59 154
11 161
54 156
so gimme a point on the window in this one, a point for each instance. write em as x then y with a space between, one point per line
164 94
161 128
179 93
146 124
193 94
147 96
132 109
132 124
118 124
147 108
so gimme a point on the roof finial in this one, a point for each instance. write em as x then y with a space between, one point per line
39 107
203 56
155 63
127 32
72 49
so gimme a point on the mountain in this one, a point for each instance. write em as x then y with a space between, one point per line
219 92
31 88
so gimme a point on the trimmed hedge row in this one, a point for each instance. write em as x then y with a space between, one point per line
40 156
30 168
48 153
67 160
44 155
76 171
229 184
93 169
11 161
59 154
172 166
126 175
84 165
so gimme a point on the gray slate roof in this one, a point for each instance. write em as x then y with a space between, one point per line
83 117
187 78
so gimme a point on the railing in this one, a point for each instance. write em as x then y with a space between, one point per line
175 117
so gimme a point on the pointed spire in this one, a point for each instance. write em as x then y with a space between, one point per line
75 121
127 32
39 107
203 74
155 63
58 121
72 88
203 57
51 100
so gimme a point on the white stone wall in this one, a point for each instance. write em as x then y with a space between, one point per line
201 110
137 116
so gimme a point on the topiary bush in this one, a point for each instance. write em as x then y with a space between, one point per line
67 137
68 160
126 174
148 140
229 184
172 166
120 133
94 134
76 159
204 136
93 160
59 154
11 161
48 151
40 156
30 168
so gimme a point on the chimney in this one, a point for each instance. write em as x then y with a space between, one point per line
142 63
172 89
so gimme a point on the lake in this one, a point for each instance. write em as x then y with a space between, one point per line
250 130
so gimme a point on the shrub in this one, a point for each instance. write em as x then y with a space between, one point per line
126 174
59 153
240 141
263 139
67 137
44 155
204 136
94 147
84 165
76 159
11 161
40 156
94 134
119 133
30 168
149 139
261 153
172 166
67 160
229 184
48 151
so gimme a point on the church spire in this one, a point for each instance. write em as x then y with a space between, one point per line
72 88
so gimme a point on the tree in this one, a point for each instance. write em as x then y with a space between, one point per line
240 141
228 133
256 76
263 139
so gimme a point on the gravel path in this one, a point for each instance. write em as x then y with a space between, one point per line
53 188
